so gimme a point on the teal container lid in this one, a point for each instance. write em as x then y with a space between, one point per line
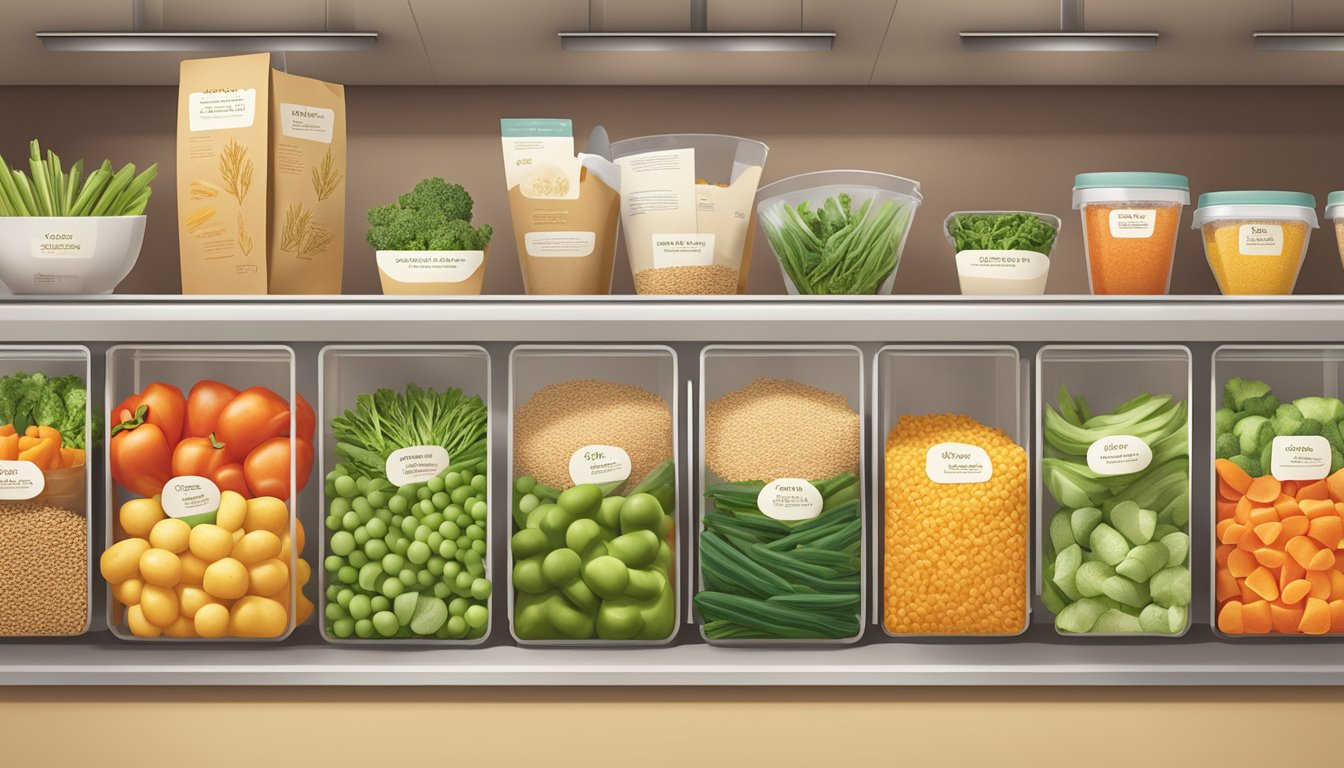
1139 179
1259 197
1335 198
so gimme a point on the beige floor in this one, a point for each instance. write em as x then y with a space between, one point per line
649 728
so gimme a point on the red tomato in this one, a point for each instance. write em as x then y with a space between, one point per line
256 415
141 459
204 403
230 478
198 456
165 408
267 467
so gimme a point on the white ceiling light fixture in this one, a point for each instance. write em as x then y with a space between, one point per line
140 40
698 39
1299 41
1069 38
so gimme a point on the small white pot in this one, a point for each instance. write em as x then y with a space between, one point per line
68 254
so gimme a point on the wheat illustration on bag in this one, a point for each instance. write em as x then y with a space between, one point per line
326 177
301 236
244 239
316 242
236 170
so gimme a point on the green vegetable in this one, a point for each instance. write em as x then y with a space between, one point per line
1251 417
387 420
834 250
434 216
60 402
1002 232
52 192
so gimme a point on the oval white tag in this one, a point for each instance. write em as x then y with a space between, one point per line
20 480
955 463
599 464
416 464
189 495
1306 457
789 498
1119 455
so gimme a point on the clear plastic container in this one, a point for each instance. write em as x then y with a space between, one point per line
1127 468
892 200
605 415
686 210
952 426
1130 225
347 373
1002 272
1255 241
45 514
1334 211
206 567
791 390
1296 462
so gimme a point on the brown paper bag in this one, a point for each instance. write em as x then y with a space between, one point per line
567 247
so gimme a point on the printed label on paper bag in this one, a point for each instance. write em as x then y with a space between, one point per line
219 110
956 463
1119 455
20 480
559 244
1133 222
682 251
299 121
74 238
1260 240
189 495
1299 458
416 464
599 464
430 266
789 498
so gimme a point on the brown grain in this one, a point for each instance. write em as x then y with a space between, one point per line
44 570
776 428
687 281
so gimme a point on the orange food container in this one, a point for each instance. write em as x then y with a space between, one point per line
1130 224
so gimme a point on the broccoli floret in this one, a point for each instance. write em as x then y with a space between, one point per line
1238 390
435 194
435 215
1227 446
1267 458
1322 409
1253 432
1249 466
1330 431
1336 460
1307 427
459 236
1224 419
1261 406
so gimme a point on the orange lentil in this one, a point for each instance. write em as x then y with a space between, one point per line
1240 273
1130 265
956 554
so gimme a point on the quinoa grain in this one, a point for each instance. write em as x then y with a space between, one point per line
774 428
687 281
44 570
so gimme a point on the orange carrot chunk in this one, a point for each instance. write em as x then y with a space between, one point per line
1233 533
1320 585
1269 532
1230 618
1314 508
1337 616
1317 490
1327 530
1220 554
1226 491
1232 475
1262 515
1316 617
1336 584
1335 483
1287 507
1263 490
1241 563
1290 571
1290 488
1322 560
1295 591
1295 526
1262 582
1285 619
1226 508
1301 549
1242 514
1256 618
1270 557
1226 585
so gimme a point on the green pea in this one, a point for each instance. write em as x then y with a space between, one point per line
343 628
348 574
384 516
435 565
333 523
334 562
476 569
476 616
364 628
409 525
524 484
569 621
607 577
618 620
360 607
636 549
448 549
457 627
377 499
560 567
339 506
452 512
478 482
581 500
333 474
423 508
369 575
362 483
376 528
478 547
528 503
480 511
333 590
460 494
435 484
463 542
452 480
458 606
346 487
334 611
462 584
433 521
379 603
391 587
342 543
401 545
350 520
449 530
434 540
475 532
422 494
528 576
418 552
609 513
397 504
641 512
361 536
361 506
393 562
424 579
422 534
385 622
452 568
526 543
407 577
480 589
358 558
440 500
442 591
645 584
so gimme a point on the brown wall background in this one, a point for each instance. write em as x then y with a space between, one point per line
971 148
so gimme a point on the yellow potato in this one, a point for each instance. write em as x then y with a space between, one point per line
238 535
232 511
212 620
128 591
267 578
304 570
256 547
299 535
139 625
267 513
160 567
138 516
286 549
305 609
193 569
255 616
191 599
183 627
226 579
159 605
121 561
170 534
210 542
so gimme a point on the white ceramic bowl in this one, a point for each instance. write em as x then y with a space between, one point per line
68 254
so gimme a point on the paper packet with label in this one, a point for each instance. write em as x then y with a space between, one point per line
565 208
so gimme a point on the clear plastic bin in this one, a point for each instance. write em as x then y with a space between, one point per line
1334 211
584 437
965 443
192 497
349 371
1130 225
1108 377
1292 372
892 200
837 371
47 545
1002 272
1255 242
686 210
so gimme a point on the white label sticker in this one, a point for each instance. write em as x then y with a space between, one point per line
1260 239
416 464
430 266
789 498
189 495
1006 265
682 251
559 244
299 121
956 463
1133 222
1299 458
218 110
599 464
20 480
1119 455
74 238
